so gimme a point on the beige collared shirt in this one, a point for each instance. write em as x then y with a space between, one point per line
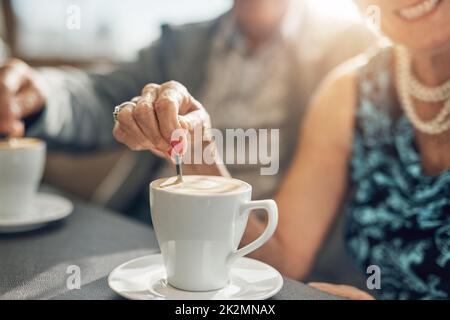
268 89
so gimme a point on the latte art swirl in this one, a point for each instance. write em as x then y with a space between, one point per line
201 185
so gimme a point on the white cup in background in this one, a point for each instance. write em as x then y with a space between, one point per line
21 168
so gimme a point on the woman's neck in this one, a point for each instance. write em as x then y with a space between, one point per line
432 69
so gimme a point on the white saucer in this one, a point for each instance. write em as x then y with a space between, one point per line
48 208
145 279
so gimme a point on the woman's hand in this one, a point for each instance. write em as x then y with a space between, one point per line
150 121
344 291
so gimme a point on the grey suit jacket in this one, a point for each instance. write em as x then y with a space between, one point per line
78 113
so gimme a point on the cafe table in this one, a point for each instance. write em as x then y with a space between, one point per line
90 243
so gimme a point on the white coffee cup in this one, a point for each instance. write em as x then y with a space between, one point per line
199 233
21 168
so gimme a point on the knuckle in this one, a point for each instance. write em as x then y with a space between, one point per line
144 103
163 104
177 85
151 87
174 86
175 92
150 91
141 111
171 84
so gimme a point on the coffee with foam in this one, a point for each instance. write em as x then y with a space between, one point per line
19 143
201 185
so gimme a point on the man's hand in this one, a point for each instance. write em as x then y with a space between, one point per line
21 95
148 123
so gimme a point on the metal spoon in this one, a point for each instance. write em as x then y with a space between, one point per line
178 164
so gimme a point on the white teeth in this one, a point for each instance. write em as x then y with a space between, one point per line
419 10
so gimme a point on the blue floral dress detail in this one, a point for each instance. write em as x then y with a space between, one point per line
398 216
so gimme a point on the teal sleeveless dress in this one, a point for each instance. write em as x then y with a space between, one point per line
398 217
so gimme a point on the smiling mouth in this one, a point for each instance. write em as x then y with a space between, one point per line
419 10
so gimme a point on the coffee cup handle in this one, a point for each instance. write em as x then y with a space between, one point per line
271 208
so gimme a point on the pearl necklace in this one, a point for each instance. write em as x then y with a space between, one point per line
409 87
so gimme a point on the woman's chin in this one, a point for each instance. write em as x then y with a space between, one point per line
428 33
423 41
429 46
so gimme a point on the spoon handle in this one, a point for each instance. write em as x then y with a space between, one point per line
178 163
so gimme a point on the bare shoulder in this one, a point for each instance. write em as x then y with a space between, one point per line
330 117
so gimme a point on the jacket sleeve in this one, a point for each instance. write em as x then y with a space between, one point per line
78 111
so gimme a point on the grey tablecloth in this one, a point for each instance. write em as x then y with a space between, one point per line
36 265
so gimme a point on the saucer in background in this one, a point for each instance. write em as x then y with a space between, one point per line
48 208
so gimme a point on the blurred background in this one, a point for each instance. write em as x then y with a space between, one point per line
112 31
106 33
39 35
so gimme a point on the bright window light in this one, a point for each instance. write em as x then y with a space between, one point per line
112 28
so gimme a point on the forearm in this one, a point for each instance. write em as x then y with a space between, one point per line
75 115
274 252
79 104
270 252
